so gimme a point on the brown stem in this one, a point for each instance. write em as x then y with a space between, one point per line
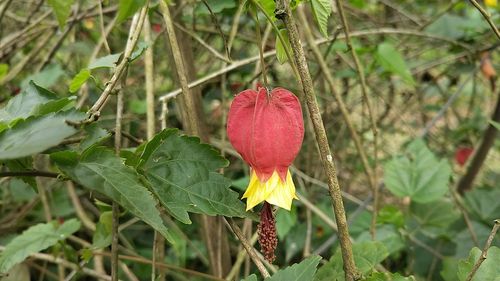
213 235
477 161
487 17
134 33
161 265
485 250
192 122
283 12
29 174
248 247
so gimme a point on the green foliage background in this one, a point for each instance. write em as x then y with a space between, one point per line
426 66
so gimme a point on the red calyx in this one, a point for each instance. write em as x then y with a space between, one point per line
266 129
462 155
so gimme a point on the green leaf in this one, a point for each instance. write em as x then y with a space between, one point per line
4 69
20 191
22 164
483 203
303 271
127 8
268 6
392 215
103 229
62 10
388 276
392 61
100 170
463 239
420 175
434 218
36 134
449 269
46 78
252 277
180 170
285 220
489 269
35 239
79 80
140 48
495 124
455 26
138 106
26 103
108 61
95 134
54 106
321 11
367 255
280 49
388 235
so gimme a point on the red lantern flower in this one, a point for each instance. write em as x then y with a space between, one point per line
267 130
462 155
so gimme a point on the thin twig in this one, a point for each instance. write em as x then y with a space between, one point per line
485 250
364 91
116 208
307 245
101 25
445 107
80 212
324 217
284 12
217 26
67 264
162 265
461 207
342 106
118 145
361 33
149 75
27 59
240 258
486 16
261 50
203 43
83 93
248 247
192 121
3 10
134 33
59 42
35 173
280 37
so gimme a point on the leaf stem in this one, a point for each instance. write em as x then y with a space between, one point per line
280 37
261 51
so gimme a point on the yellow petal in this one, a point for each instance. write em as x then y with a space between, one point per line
491 3
274 191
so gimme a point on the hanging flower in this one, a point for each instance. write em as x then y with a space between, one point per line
267 130
462 155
